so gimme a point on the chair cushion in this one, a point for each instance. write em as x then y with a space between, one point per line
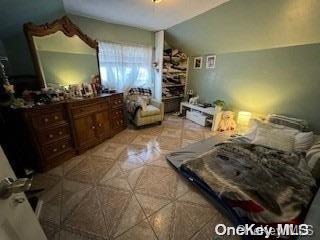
150 111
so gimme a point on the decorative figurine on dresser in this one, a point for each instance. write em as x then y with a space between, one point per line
69 114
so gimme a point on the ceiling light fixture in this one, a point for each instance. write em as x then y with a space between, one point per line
156 1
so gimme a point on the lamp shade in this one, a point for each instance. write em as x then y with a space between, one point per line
244 118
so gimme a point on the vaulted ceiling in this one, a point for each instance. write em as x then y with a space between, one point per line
141 13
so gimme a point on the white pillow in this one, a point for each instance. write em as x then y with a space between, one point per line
256 124
143 102
313 159
274 138
303 141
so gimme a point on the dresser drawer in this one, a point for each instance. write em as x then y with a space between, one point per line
88 109
117 101
56 148
53 134
117 113
45 119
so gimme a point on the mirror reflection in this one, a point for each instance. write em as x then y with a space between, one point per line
64 60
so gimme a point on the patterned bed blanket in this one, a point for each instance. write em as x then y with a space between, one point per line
279 182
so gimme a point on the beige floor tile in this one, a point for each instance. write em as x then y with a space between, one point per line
51 208
119 182
44 181
124 137
132 149
146 140
152 130
171 132
208 232
193 134
139 232
131 217
110 150
74 161
151 204
114 204
161 162
157 182
69 235
127 163
150 155
169 143
110 190
161 222
87 217
72 195
186 142
180 220
81 172
113 172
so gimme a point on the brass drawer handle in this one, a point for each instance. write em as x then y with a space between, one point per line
100 125
93 127
50 135
63 146
56 117
46 120
54 150
60 132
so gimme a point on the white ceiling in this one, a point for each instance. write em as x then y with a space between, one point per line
141 13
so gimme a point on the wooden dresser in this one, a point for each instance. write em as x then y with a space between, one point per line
56 132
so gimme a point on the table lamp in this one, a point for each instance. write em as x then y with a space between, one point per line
243 120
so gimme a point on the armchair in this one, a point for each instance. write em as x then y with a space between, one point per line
152 113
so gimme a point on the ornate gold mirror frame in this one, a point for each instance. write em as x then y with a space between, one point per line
64 25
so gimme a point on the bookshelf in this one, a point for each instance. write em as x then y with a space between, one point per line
174 78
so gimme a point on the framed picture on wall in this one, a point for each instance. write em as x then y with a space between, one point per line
211 61
197 63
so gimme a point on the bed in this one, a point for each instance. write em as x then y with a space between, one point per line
190 162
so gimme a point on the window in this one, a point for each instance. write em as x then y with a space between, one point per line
123 67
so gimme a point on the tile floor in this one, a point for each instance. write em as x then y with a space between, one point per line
125 189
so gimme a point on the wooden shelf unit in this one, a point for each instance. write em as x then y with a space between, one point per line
174 79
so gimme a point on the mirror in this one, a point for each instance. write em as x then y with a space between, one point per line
62 54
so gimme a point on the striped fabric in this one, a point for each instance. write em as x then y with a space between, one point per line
313 159
299 124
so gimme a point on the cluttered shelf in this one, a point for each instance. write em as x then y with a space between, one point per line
172 97
174 78
173 85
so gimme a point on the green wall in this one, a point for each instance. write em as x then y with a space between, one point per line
268 55
14 13
103 31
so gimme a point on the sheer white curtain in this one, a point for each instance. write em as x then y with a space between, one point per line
123 66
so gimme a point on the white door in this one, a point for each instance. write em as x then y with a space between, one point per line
17 220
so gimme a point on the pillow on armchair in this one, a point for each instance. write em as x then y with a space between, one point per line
143 101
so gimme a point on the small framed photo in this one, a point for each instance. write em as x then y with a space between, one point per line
197 63
211 61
